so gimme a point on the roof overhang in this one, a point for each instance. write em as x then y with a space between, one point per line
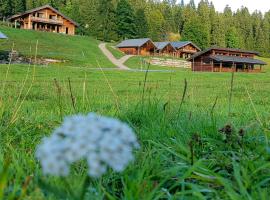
183 44
236 59
134 43
162 45
223 49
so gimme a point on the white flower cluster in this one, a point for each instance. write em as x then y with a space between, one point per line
104 142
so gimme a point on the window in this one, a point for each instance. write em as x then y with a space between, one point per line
53 17
41 15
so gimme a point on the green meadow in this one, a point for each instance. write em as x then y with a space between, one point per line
202 135
77 51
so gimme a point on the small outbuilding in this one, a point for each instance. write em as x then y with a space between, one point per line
185 49
164 49
143 47
217 59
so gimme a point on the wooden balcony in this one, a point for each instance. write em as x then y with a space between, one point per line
48 21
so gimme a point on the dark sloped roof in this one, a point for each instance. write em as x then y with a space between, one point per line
236 59
3 36
162 45
223 49
41 8
133 42
235 50
178 45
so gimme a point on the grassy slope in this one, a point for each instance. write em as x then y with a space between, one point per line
78 50
117 54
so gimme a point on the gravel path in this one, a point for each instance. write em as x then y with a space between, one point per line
119 63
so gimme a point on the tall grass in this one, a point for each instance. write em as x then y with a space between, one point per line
187 153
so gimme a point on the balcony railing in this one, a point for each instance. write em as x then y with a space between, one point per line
45 20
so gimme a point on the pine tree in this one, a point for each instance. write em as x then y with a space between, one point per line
205 20
6 8
218 32
31 4
141 24
179 18
194 31
107 27
157 31
192 4
89 16
232 38
125 20
20 6
182 3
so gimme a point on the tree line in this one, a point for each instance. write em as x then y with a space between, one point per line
114 20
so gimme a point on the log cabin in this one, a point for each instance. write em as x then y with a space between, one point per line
144 47
185 49
3 36
164 49
45 18
217 59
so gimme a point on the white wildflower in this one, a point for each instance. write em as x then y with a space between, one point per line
103 142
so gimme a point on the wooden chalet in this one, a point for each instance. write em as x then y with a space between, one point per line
217 59
164 49
143 47
45 18
185 49
3 36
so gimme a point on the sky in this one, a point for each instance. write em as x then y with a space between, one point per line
252 5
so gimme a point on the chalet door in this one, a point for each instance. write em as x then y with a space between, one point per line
66 30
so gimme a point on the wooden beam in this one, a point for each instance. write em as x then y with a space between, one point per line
29 22
220 67
234 67
201 63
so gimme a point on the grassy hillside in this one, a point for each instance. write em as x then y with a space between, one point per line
79 51
117 54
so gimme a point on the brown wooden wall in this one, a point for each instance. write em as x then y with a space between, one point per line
168 51
231 53
36 22
197 66
145 50
186 51
129 50
189 48
205 64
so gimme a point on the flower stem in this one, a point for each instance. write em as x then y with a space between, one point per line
67 185
86 184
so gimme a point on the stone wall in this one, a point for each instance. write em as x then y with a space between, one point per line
169 62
